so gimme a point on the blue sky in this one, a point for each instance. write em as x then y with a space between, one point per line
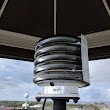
16 77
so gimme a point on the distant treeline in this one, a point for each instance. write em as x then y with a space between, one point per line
14 103
49 104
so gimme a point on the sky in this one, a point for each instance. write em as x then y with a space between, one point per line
16 77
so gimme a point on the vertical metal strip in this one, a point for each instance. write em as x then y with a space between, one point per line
84 56
106 6
3 7
55 16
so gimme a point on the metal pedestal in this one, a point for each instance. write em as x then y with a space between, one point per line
59 100
59 104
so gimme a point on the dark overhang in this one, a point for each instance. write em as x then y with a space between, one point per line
32 17
24 22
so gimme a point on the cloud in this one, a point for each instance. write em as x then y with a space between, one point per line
15 91
15 79
100 70
108 93
20 70
96 92
9 78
